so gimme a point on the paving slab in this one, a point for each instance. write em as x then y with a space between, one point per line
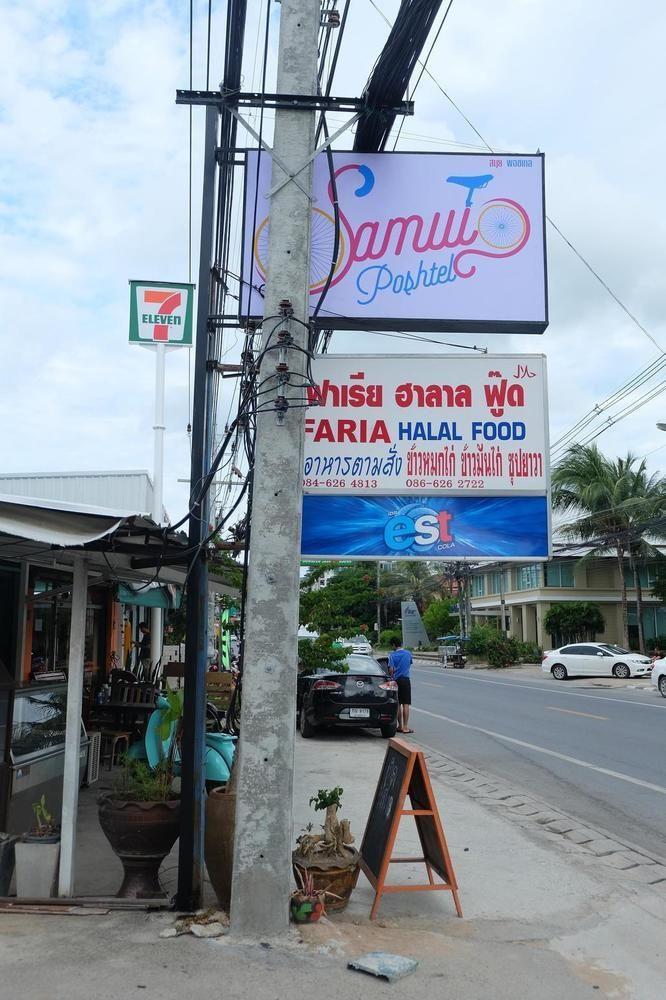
602 847
620 861
581 836
634 858
526 810
562 826
647 874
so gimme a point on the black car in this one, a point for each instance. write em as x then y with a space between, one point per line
365 696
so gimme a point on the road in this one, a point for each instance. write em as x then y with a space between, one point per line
597 754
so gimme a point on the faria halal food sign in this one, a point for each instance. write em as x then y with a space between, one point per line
443 241
435 424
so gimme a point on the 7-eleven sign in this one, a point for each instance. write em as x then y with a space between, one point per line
161 313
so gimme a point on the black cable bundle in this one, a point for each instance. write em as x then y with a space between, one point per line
392 72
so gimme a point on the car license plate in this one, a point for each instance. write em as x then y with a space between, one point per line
359 713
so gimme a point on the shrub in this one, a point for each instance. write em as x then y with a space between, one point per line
574 621
479 638
387 634
502 652
529 652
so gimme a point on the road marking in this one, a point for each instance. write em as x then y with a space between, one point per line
550 753
537 686
570 711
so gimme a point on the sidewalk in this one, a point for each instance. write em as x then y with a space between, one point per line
533 672
541 920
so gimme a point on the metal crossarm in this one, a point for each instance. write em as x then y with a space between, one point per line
303 102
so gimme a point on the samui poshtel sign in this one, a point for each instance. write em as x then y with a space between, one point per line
440 241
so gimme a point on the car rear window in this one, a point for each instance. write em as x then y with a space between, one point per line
363 665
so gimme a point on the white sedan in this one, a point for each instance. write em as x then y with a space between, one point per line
659 675
594 659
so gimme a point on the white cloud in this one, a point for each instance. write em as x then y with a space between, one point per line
93 191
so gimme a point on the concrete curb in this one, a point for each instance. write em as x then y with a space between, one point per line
631 861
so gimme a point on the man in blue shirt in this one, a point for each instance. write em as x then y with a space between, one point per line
400 661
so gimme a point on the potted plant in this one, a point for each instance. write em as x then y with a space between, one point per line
328 857
37 856
140 818
306 903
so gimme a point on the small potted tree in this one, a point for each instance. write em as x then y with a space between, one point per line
37 856
328 858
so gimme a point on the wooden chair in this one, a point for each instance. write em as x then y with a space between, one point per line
219 688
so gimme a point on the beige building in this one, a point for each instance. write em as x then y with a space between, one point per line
528 590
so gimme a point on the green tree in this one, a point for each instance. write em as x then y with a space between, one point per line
614 506
344 605
320 654
573 621
438 619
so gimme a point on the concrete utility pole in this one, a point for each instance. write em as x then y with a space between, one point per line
262 851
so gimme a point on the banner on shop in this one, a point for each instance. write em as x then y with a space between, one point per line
439 241
428 527
427 424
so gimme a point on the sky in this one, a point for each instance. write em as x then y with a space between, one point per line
94 191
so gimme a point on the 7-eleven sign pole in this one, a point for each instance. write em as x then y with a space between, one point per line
160 317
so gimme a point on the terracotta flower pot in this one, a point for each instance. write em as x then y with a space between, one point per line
219 842
306 909
142 835
331 874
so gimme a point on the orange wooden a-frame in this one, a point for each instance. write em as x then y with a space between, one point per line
404 772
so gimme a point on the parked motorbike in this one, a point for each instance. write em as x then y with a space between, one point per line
219 747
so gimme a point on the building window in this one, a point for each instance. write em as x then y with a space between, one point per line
478 585
558 574
498 582
646 574
527 577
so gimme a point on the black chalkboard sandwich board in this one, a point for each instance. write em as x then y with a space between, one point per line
403 774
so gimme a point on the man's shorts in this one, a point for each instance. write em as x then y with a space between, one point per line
404 690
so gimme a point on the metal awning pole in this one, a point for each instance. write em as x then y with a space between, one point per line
70 796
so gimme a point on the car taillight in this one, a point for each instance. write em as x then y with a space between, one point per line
326 686
388 686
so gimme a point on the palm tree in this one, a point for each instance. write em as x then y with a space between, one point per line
614 505
416 581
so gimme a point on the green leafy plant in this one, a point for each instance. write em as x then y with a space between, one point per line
321 654
574 621
502 652
136 782
480 637
173 713
387 634
326 797
44 820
